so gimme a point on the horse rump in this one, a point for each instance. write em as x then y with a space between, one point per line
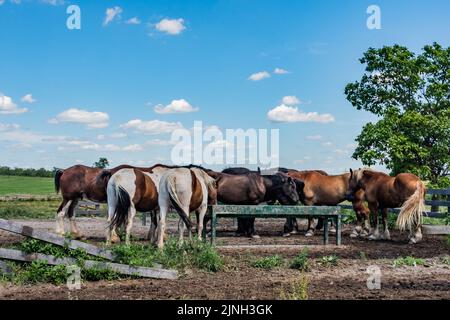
411 210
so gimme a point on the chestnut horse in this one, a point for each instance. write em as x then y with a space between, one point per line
326 190
252 188
186 190
75 183
383 192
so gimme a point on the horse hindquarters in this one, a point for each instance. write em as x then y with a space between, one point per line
410 215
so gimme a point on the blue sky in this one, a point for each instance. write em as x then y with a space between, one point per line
67 96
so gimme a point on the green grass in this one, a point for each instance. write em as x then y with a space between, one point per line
268 263
408 261
328 261
190 254
300 262
10 185
20 209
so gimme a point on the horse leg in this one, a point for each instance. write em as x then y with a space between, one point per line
358 228
310 230
251 229
61 213
73 226
153 225
386 235
375 234
131 214
163 208
200 220
417 237
366 229
289 227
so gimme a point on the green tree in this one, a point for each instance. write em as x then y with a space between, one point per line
102 163
410 95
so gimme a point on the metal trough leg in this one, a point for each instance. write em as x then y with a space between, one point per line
325 231
338 230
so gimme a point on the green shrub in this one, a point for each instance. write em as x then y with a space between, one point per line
268 262
300 262
299 290
408 261
39 271
328 261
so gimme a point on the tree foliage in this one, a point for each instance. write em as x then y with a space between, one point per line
102 163
410 94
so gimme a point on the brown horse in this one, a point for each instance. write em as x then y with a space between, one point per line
383 192
325 190
75 183
252 188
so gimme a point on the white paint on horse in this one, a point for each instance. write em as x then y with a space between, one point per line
60 218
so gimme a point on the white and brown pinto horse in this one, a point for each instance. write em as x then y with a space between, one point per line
76 183
382 191
130 190
186 190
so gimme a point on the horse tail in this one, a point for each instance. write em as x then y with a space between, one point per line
58 175
411 210
176 203
122 207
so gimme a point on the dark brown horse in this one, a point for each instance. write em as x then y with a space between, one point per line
325 190
383 192
75 183
252 188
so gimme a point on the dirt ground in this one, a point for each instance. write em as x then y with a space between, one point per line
239 280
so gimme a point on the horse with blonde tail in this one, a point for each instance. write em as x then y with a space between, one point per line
382 192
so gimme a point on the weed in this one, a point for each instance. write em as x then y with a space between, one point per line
299 290
301 262
268 262
328 261
408 261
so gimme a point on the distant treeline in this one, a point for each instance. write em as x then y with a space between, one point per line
7 171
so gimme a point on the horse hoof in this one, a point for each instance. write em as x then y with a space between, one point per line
309 233
373 237
286 235
354 235
332 230
255 236
293 232
115 240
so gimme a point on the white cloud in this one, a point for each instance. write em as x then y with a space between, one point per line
159 142
7 106
259 76
93 119
171 26
134 20
151 127
133 148
280 71
290 101
8 126
53 2
28 98
283 113
314 137
176 106
117 135
327 144
112 14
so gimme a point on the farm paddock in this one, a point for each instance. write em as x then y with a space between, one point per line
343 277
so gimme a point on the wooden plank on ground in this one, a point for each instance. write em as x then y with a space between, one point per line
27 231
435 229
17 255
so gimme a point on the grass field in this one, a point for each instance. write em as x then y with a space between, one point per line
10 185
